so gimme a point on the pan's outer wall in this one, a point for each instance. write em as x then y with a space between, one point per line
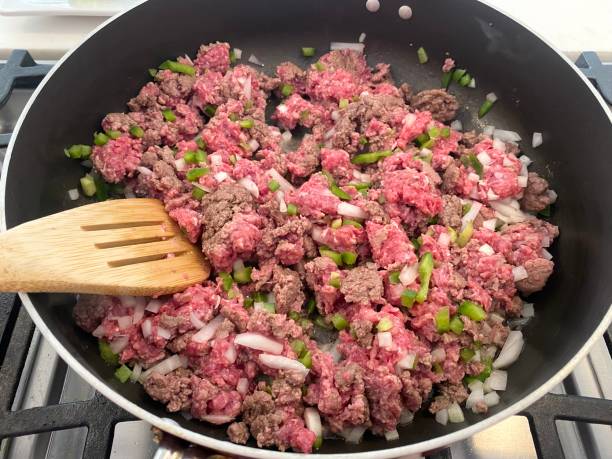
537 91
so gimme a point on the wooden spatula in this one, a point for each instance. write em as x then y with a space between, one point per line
120 247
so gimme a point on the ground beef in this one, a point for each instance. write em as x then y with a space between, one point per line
287 290
452 211
362 285
442 105
536 196
219 207
449 393
538 272
172 389
451 178
362 332
238 432
90 310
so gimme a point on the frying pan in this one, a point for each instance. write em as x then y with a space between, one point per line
538 90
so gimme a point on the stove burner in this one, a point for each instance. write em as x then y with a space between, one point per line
20 69
597 72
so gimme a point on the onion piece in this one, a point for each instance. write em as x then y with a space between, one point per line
392 435
408 274
312 419
472 83
499 145
406 417
484 158
221 176
510 351
335 45
316 234
259 342
166 366
456 125
73 194
195 321
217 418
508 213
486 249
286 136
119 344
208 331
406 362
475 385
243 386
546 254
490 224
354 435
230 354
215 159
491 97
475 397
519 273
253 60
136 372
528 310
154 306
438 354
405 12
506 136
144 170
536 140
442 416
139 311
163 332
488 130
491 399
498 380
124 322
180 164
350 210
362 37
282 181
147 328
522 181
280 362
253 145
280 198
471 214
247 88
100 331
454 413
385 339
237 53
250 186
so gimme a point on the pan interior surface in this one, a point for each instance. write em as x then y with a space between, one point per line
537 90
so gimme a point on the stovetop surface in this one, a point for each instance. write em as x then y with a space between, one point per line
48 411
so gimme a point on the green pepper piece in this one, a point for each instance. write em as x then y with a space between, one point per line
286 90
337 223
152 72
308 52
343 103
442 320
472 160
384 324
422 55
273 185
465 235
306 359
169 115
177 67
485 108
421 139
334 279
318 442
458 73
108 356
425 269
123 373
371 157
311 306
349 258
136 131
394 277
200 143
434 132
456 325
248 302
319 321
269 307
466 354
354 223
100 139
226 281
292 209
472 310
197 193
339 322
298 347
319 66
446 79
247 123
210 110
195 173
339 192
465 79
335 256
243 276
407 298
113 134
88 185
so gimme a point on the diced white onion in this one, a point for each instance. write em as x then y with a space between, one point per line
490 224
408 274
316 234
510 351
282 108
147 328
144 170
351 210
259 342
491 196
475 397
286 136
475 385
492 97
217 418
73 194
491 399
362 176
546 254
100 331
484 158
335 45
385 339
282 181
406 417
472 83
444 239
208 331
362 37
488 352
456 125
506 136
442 417
195 321
243 386
335 115
519 273
247 88
166 366
528 310
499 145
253 145
139 310
471 214
522 181
438 354
473 177
392 435
405 12
163 332
253 60
497 381
489 130
508 213
154 305
354 434
409 119
312 419
406 362
136 372
552 196
221 176
495 317
238 53
215 159
250 186
119 344
238 265
282 205
454 413
180 164
536 140
425 152
124 322
486 249
280 362
230 354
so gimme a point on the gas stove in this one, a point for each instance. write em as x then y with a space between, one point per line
48 411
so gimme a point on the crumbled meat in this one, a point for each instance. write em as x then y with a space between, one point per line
238 432
362 285
90 310
287 290
536 196
452 211
173 390
449 393
442 105
538 272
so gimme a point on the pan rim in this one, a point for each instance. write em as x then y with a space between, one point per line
169 426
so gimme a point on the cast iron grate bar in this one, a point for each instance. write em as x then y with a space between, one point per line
4 139
19 70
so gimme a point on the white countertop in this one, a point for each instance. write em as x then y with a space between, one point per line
571 26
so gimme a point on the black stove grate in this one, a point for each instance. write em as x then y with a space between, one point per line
100 415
